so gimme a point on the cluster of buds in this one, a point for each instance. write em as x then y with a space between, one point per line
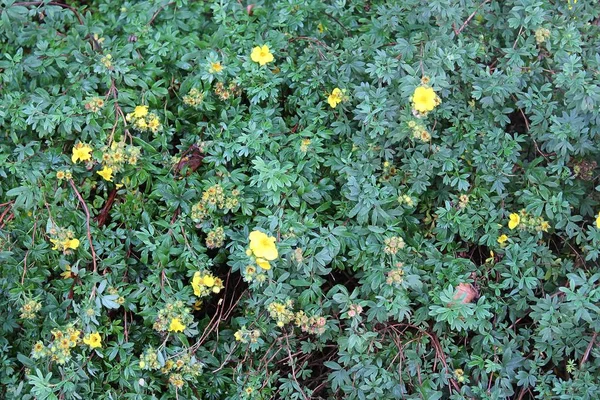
389 171
119 154
541 35
149 359
63 240
244 335
419 132
59 349
224 93
406 199
463 201
304 145
251 273
181 369
215 238
355 310
144 121
30 309
107 61
174 317
205 283
194 98
393 244
281 312
214 199
313 325
396 275
95 104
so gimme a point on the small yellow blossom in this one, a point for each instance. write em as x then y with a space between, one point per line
514 220
140 112
209 281
502 239
335 98
93 340
67 273
60 175
106 173
176 325
424 99
238 335
598 220
81 152
261 55
215 67
71 244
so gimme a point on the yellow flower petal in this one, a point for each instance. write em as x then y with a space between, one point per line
106 173
264 264
176 325
514 221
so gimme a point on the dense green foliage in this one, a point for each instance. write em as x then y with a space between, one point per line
442 254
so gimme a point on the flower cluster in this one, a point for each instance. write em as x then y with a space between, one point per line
262 248
355 310
107 61
244 335
174 317
205 283
389 170
419 132
424 100
149 359
95 104
304 145
214 199
396 275
406 199
59 349
144 121
336 96
215 238
178 370
463 201
313 325
118 155
525 221
393 244
194 98
541 35
226 92
281 312
63 240
64 174
251 273
30 309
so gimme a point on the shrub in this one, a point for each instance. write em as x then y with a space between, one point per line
299 199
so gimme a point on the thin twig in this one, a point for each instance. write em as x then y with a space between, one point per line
464 25
588 350
87 224
293 367
158 12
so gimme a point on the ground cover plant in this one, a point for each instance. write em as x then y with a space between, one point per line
299 199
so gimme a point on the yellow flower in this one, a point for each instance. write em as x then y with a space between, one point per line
598 221
154 124
263 246
502 239
81 152
60 174
335 97
93 340
67 273
197 281
209 281
215 68
261 55
140 112
71 244
238 336
264 264
176 325
514 220
544 226
106 173
424 99
320 28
